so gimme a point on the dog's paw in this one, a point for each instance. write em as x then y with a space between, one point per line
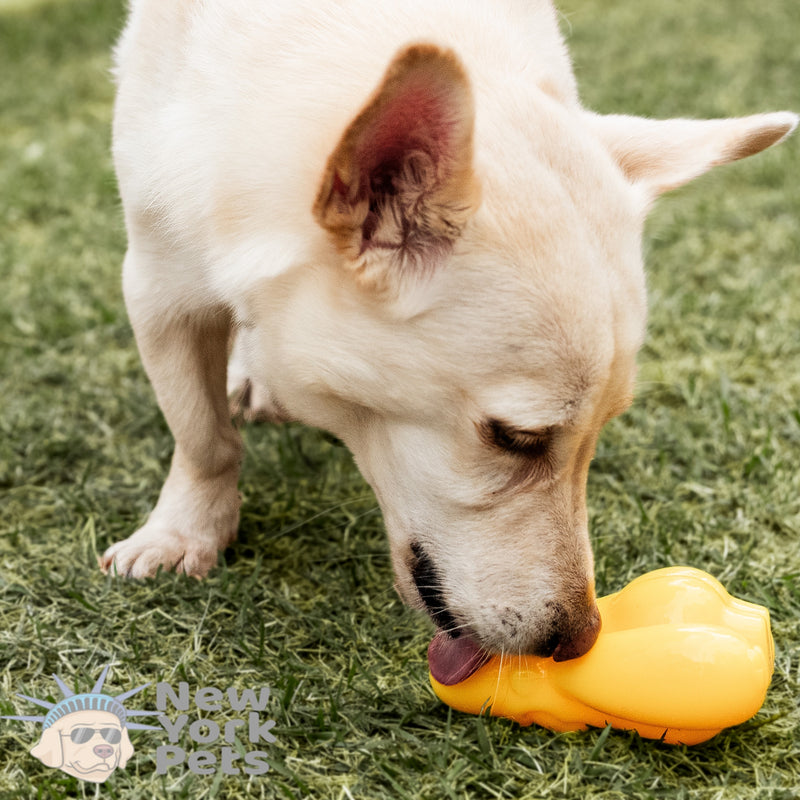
151 547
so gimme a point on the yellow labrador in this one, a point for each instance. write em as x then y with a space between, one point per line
423 243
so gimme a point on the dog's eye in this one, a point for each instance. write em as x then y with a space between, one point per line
530 444
534 450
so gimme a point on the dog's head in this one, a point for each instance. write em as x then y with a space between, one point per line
472 322
88 744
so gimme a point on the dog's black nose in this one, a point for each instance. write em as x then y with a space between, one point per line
574 645
103 751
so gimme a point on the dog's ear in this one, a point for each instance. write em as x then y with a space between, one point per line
125 748
48 748
399 187
660 155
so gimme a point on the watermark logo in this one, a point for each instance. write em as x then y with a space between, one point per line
86 735
227 754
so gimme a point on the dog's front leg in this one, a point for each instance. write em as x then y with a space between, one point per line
197 513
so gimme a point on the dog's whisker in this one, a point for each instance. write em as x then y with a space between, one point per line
499 672
431 586
462 626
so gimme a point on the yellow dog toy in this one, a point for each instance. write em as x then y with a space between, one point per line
678 659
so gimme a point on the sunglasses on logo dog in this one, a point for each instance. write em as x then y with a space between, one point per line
82 735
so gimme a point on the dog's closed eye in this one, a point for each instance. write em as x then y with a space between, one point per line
533 448
531 444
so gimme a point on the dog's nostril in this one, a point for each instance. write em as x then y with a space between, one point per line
577 644
102 750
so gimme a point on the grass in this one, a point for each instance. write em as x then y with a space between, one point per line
703 470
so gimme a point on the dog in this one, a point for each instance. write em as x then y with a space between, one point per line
406 228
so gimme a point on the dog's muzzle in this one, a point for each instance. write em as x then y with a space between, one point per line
454 653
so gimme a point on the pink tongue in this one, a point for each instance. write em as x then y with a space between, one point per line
454 660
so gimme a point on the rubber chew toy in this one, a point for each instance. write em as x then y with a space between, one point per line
677 659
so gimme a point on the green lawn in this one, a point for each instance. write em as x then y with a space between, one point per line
703 470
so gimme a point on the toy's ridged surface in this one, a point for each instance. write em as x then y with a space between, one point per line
678 659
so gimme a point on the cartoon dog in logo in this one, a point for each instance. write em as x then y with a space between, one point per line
86 735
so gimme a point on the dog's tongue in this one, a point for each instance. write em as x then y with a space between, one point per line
454 660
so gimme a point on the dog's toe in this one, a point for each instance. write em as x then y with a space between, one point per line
141 555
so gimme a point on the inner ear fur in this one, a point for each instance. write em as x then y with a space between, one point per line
399 187
660 155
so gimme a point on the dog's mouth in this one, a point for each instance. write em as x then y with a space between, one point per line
453 654
100 766
453 659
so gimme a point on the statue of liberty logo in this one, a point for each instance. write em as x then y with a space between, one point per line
86 735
